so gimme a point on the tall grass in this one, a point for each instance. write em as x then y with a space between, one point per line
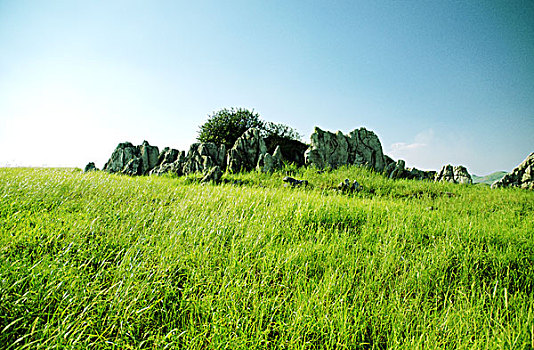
106 261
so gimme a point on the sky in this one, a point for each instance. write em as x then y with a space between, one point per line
439 82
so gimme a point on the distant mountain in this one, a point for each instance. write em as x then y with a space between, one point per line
488 179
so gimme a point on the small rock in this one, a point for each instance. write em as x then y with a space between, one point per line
90 167
294 182
347 186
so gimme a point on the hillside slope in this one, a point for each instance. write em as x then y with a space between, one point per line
489 179
106 261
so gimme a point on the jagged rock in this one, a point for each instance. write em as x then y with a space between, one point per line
388 161
398 170
167 156
132 160
213 175
268 163
456 174
365 149
134 167
245 153
461 175
149 156
294 182
120 157
446 174
170 161
90 167
293 150
417 174
522 176
347 186
360 147
204 156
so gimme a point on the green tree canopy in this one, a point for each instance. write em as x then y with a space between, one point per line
226 125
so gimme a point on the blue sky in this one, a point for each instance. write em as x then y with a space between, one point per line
438 81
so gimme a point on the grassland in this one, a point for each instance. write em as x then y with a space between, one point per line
105 261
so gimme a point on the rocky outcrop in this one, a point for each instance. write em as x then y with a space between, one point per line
360 147
149 157
132 160
456 174
213 175
293 150
246 152
90 167
169 161
200 158
204 156
268 163
522 176
398 170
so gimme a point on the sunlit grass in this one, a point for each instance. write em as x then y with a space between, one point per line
107 261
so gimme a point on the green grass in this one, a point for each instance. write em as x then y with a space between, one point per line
106 261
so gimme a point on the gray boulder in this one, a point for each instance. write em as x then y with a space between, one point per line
132 160
121 156
456 174
167 156
204 156
327 149
461 175
398 170
347 186
294 182
246 152
522 176
170 161
90 167
149 156
268 163
360 147
365 149
134 167
213 175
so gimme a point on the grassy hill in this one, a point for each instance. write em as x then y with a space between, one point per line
489 179
106 261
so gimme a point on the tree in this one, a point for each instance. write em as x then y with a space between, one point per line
226 125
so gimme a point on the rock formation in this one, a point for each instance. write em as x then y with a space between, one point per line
169 160
347 186
268 163
456 174
90 167
359 147
522 176
204 156
132 160
213 175
245 153
293 150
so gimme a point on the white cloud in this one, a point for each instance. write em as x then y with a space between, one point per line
430 150
402 146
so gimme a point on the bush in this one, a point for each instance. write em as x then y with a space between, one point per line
226 125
